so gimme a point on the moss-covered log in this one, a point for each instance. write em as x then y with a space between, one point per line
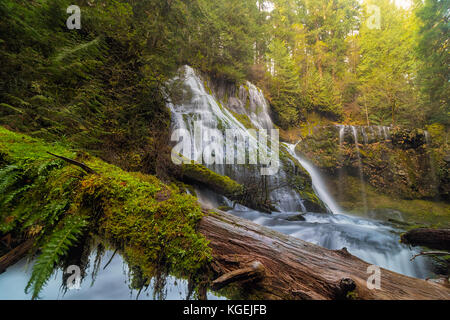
199 174
221 184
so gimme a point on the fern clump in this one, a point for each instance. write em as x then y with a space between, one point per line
56 204
55 247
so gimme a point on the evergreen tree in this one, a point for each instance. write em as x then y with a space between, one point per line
433 51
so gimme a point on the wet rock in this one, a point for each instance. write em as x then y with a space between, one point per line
298 217
408 138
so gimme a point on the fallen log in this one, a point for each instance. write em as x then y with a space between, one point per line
295 269
15 255
254 272
432 238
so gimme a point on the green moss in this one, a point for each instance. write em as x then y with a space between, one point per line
352 295
244 119
414 212
219 183
153 223
207 88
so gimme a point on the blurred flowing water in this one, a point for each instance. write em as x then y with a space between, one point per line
373 241
110 279
370 240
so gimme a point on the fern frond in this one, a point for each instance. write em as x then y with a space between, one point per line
9 176
48 215
53 250
10 197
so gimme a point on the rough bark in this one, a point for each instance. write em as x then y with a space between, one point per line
431 238
15 255
295 269
254 272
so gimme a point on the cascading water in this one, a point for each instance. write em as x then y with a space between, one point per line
385 132
202 112
361 176
427 137
341 159
366 139
370 240
318 184
259 108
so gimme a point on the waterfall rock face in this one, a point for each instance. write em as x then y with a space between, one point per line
394 161
200 111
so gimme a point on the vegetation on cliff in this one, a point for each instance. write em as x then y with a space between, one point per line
407 171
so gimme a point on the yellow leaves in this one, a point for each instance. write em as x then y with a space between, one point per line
89 185
34 230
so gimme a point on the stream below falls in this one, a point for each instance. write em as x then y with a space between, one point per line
373 241
107 277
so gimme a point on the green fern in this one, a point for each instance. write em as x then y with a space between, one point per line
15 194
9 176
53 250
49 215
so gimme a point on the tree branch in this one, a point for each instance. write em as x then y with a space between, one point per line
74 162
430 253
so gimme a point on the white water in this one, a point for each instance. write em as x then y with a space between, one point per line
202 108
361 175
372 241
367 239
259 108
317 182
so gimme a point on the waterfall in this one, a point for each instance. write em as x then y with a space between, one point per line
380 132
369 240
361 176
427 137
201 111
259 108
341 159
317 182
386 137
366 139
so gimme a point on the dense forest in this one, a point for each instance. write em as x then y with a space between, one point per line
371 62
85 146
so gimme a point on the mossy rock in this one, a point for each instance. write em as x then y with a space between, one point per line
218 183
298 217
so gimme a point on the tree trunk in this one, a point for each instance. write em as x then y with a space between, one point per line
295 269
15 255
431 238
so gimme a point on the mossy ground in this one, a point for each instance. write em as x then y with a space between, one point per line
414 213
153 223
405 173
